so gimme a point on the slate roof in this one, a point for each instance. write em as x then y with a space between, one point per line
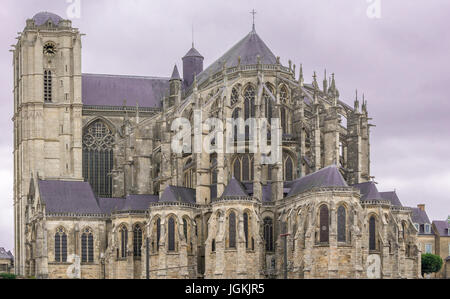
112 90
178 194
392 197
234 188
369 191
193 53
442 227
326 177
130 203
419 216
248 48
68 197
175 74
42 17
5 254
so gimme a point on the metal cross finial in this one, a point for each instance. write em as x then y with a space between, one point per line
253 12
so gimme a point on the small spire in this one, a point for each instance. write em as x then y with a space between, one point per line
315 84
356 102
253 12
301 79
325 83
175 74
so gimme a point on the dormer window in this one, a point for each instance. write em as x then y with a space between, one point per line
427 228
417 226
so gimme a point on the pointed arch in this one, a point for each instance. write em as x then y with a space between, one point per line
87 246
324 217
268 234
171 234
232 230
342 223
98 156
123 232
61 245
372 233
137 240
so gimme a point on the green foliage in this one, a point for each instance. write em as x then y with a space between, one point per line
7 276
431 263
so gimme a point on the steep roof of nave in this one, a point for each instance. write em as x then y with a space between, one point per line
247 49
42 17
112 90
326 177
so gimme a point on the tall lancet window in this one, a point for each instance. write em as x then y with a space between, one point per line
232 230
341 224
60 245
98 155
48 86
249 107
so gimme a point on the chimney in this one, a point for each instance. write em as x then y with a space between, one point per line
421 207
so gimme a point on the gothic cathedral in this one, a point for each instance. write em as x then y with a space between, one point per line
100 193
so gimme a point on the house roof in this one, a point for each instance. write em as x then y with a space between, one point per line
68 197
5 254
234 188
247 49
42 17
442 227
392 197
369 191
326 177
113 90
178 194
419 216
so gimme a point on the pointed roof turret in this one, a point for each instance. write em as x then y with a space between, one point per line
193 53
175 74
246 52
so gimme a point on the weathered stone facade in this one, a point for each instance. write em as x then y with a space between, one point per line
203 215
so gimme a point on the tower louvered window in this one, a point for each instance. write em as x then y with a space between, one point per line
60 246
87 246
232 230
48 86
137 241
98 155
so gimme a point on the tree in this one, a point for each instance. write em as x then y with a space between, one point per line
431 263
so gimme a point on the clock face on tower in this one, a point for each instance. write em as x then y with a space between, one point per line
50 49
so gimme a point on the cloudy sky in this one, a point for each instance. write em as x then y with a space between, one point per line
399 60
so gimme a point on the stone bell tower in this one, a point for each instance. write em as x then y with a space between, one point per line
47 111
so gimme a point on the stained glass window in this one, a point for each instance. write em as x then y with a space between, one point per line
171 234
123 241
372 233
249 108
289 169
232 230
87 246
268 234
98 144
60 246
341 224
158 233
234 96
324 224
137 241
246 229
